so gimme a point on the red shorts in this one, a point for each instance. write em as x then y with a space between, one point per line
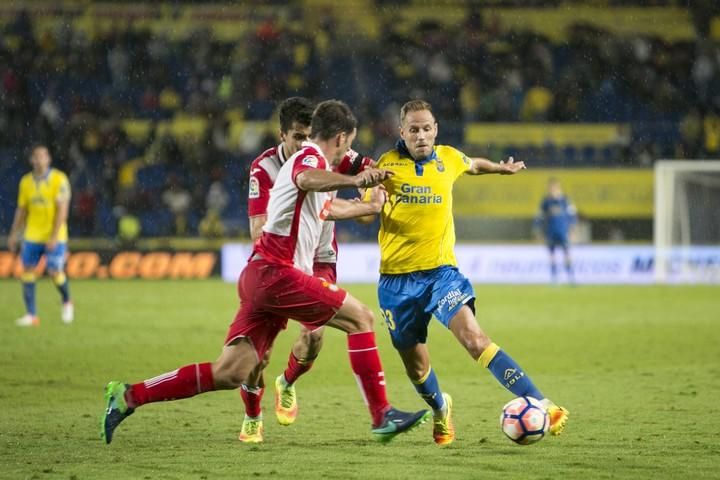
325 271
271 293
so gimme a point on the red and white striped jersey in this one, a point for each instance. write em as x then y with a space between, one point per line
263 172
292 232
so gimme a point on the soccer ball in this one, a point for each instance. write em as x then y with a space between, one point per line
524 420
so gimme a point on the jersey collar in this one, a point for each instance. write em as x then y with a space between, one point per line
281 154
308 143
404 152
43 178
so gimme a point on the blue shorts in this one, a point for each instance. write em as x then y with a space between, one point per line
557 239
31 253
409 300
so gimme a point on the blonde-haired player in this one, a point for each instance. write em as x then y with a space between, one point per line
41 214
419 277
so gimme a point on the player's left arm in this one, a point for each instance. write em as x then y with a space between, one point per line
62 208
482 166
342 209
572 221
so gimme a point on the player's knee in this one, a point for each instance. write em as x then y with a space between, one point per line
235 379
58 278
365 319
229 375
476 343
416 373
232 371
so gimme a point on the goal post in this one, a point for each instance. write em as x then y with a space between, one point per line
686 219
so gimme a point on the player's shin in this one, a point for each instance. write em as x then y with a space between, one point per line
28 288
296 367
569 270
366 365
508 372
61 283
429 389
184 382
252 397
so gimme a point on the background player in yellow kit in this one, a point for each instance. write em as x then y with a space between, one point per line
42 209
419 277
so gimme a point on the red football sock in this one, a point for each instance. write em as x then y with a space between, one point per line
365 363
184 382
251 397
296 367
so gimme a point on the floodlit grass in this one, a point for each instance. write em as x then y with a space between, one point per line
638 367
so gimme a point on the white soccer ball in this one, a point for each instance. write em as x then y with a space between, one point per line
524 420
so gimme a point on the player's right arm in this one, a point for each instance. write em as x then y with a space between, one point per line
260 184
20 216
320 180
256 224
17 226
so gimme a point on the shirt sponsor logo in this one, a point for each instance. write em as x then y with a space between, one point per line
310 161
254 191
418 194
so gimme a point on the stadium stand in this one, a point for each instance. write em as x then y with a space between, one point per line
129 95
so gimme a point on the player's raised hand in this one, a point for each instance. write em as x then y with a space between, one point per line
510 166
371 177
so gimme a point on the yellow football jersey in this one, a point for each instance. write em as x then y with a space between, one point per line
417 231
39 197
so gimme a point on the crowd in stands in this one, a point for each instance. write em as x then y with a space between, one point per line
73 92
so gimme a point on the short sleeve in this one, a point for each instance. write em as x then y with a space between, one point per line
353 163
63 189
307 160
260 185
22 201
463 163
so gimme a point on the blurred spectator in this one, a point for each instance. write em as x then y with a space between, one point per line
217 197
91 96
536 105
211 226
85 210
177 199
128 230
691 131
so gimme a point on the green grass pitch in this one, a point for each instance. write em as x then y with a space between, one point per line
638 368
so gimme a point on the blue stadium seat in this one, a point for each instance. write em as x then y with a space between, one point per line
105 220
156 223
152 177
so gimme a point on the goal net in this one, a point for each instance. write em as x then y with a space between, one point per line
687 221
